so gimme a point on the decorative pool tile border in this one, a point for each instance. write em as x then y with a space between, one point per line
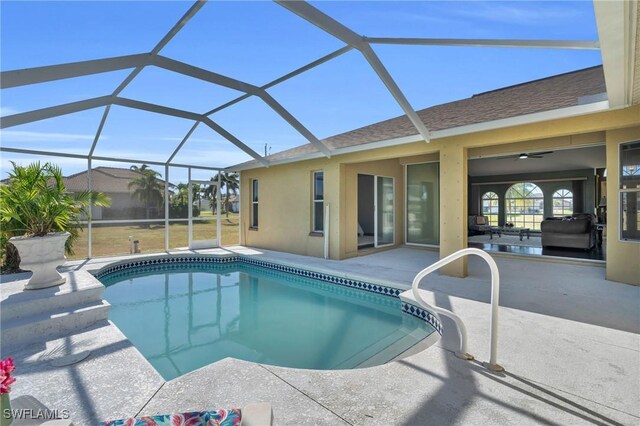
122 266
333 279
347 282
423 315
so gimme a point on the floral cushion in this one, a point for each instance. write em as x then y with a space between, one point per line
205 418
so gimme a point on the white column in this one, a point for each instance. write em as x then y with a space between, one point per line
240 208
190 213
166 207
89 219
218 214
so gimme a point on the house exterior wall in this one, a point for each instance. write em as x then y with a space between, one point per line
285 207
124 206
285 190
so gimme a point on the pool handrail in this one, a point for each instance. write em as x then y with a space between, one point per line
462 329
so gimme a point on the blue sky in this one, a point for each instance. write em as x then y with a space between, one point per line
257 42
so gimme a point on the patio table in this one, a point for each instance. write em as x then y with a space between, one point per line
521 232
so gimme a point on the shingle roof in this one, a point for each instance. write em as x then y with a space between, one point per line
559 91
103 179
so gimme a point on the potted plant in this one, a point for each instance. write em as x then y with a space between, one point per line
42 220
6 368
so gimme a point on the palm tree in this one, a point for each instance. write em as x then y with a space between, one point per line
182 195
148 187
211 192
231 185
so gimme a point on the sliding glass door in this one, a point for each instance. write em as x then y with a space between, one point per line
423 204
384 211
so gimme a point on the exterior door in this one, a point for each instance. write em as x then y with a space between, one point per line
384 211
204 228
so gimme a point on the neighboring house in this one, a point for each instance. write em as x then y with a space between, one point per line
114 182
385 186
234 203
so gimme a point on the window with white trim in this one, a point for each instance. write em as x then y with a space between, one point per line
318 201
524 205
490 202
254 203
562 203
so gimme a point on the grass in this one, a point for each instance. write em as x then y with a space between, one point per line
109 240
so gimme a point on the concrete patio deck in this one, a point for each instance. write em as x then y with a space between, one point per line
569 340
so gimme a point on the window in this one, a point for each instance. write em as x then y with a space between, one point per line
490 202
562 203
318 201
630 191
423 203
254 203
524 205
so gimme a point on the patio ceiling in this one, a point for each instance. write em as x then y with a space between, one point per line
608 15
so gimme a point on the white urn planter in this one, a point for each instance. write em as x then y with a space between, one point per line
42 255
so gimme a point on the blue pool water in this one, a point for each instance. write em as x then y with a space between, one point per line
185 316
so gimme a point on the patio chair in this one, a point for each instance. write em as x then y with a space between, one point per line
478 224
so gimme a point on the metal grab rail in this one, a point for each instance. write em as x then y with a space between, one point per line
462 330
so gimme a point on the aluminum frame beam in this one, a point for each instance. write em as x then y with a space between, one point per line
24 77
532 44
340 31
55 111
228 136
102 158
202 74
195 8
158 109
293 122
58 110
247 88
34 75
279 80
184 140
161 44
286 77
99 131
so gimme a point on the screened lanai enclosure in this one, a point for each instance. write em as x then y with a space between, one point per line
162 119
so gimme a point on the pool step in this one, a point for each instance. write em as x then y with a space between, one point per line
384 349
29 302
35 315
41 326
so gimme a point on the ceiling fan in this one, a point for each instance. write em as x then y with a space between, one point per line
526 155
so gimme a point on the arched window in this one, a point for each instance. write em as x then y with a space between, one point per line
490 202
562 202
524 205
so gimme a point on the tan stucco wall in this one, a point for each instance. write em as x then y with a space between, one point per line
453 206
285 207
623 257
285 190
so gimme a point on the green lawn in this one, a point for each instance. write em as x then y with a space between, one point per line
114 239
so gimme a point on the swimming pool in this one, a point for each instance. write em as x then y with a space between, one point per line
186 313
